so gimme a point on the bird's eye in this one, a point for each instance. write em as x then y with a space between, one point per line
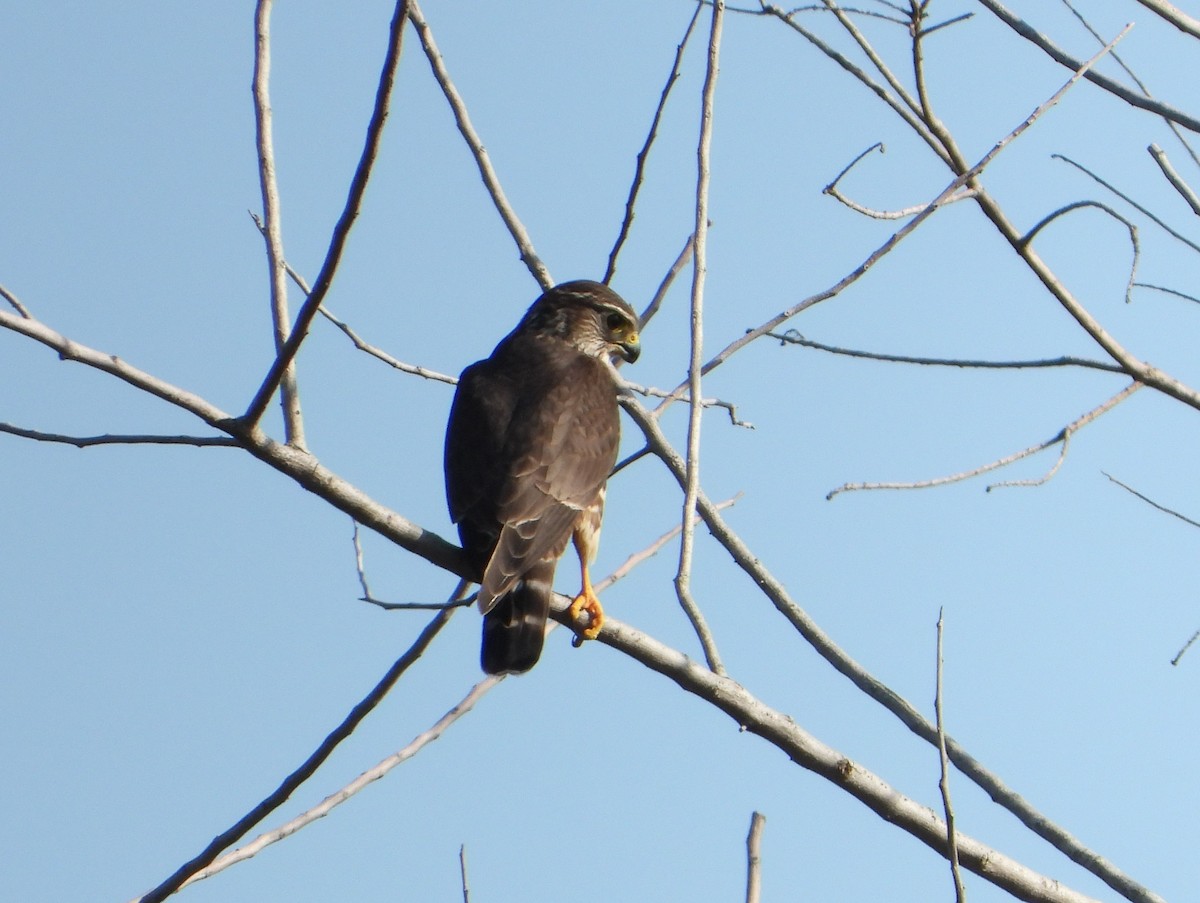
614 321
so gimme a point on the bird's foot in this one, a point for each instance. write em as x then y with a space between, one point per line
586 601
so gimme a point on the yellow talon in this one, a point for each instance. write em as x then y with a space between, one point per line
586 601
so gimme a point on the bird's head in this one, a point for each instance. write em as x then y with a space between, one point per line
590 316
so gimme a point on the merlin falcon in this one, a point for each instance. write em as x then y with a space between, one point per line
532 438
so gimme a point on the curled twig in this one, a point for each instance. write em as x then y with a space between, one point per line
1077 205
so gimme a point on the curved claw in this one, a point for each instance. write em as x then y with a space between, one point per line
586 601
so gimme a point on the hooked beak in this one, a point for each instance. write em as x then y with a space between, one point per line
631 348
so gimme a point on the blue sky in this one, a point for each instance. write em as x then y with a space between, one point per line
180 626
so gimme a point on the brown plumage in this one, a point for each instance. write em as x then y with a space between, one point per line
532 437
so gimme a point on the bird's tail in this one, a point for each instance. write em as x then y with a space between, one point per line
515 628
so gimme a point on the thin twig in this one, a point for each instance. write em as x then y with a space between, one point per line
380 354
1186 646
683 576
644 153
359 567
367 596
1044 478
1157 220
960 892
475 145
667 281
1077 205
834 192
654 548
119 439
902 108
289 395
730 407
306 770
1175 130
1153 504
794 337
1185 190
354 337
15 302
1168 291
337 243
754 858
462 868
1177 17
1061 436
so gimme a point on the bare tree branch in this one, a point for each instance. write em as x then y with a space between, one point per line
794 337
754 858
1060 56
667 281
482 160
280 795
824 645
1157 220
462 868
1077 205
960 892
334 800
1175 130
1153 504
1186 646
644 153
15 302
1173 14
118 439
1168 291
337 243
810 753
296 463
1061 436
293 420
1185 190
476 693
683 576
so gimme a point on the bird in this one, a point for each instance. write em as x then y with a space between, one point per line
531 439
